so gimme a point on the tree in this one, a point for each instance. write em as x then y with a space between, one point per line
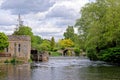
52 43
66 43
24 30
99 25
36 41
45 45
69 34
3 41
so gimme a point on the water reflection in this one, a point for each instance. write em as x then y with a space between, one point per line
75 69
61 69
15 72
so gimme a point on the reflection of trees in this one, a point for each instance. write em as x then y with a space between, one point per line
15 72
3 72
99 73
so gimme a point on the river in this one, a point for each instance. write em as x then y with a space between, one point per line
61 68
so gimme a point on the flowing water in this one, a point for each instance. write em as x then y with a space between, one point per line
61 68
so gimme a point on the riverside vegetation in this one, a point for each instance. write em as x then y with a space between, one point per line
99 28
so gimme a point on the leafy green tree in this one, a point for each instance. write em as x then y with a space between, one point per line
66 43
69 34
3 41
23 30
37 40
99 26
45 45
52 43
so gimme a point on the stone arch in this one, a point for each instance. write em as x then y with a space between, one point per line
65 52
68 52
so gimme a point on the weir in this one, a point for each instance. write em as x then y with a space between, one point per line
68 57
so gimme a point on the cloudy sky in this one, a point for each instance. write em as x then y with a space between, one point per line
47 18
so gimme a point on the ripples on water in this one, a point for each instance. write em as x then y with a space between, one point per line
62 68
70 62
75 69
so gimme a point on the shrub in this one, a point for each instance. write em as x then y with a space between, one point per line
6 61
13 61
69 53
30 60
91 54
55 54
110 55
55 49
77 51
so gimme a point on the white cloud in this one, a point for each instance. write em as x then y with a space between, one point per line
6 18
7 29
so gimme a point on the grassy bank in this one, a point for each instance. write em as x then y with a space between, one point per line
54 54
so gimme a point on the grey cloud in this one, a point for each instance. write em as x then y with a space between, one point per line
5 22
2 23
6 19
62 12
26 6
7 28
65 23
46 33
64 16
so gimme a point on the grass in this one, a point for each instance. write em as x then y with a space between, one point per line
55 54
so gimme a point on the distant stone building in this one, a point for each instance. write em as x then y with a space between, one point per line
19 46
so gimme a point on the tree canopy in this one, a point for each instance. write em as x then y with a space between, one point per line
69 34
99 25
52 43
36 41
45 45
3 41
66 43
23 30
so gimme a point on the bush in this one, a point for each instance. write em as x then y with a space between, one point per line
55 49
55 54
69 53
77 51
110 55
6 61
91 54
30 60
13 61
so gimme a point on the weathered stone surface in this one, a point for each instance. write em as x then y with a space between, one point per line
43 56
19 38
19 46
